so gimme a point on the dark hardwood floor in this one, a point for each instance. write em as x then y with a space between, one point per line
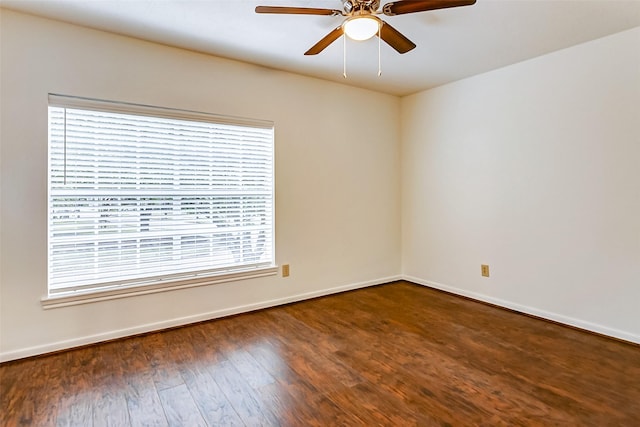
391 355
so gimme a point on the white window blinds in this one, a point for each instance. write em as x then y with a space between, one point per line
140 194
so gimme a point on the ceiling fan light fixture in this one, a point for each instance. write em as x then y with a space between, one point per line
361 27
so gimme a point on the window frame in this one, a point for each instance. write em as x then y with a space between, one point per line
165 282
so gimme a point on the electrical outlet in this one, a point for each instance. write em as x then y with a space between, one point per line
484 269
285 270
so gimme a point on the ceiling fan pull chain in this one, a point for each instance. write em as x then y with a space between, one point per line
379 60
344 56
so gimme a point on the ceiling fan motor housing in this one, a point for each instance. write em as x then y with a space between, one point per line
359 6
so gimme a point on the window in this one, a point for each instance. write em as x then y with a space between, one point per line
144 196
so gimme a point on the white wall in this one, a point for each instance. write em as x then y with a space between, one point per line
533 169
337 189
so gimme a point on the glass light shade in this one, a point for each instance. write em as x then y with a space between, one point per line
361 27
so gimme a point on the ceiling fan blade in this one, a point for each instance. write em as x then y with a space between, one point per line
412 6
326 41
298 10
395 39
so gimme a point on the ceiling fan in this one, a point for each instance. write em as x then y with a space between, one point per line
362 22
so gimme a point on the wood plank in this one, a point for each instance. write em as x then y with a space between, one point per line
253 372
209 398
143 401
75 410
180 408
162 360
110 409
242 397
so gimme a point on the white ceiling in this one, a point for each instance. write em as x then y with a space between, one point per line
452 43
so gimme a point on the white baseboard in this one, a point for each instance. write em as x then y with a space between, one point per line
581 324
171 323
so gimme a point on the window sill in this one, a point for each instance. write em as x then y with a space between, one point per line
90 296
